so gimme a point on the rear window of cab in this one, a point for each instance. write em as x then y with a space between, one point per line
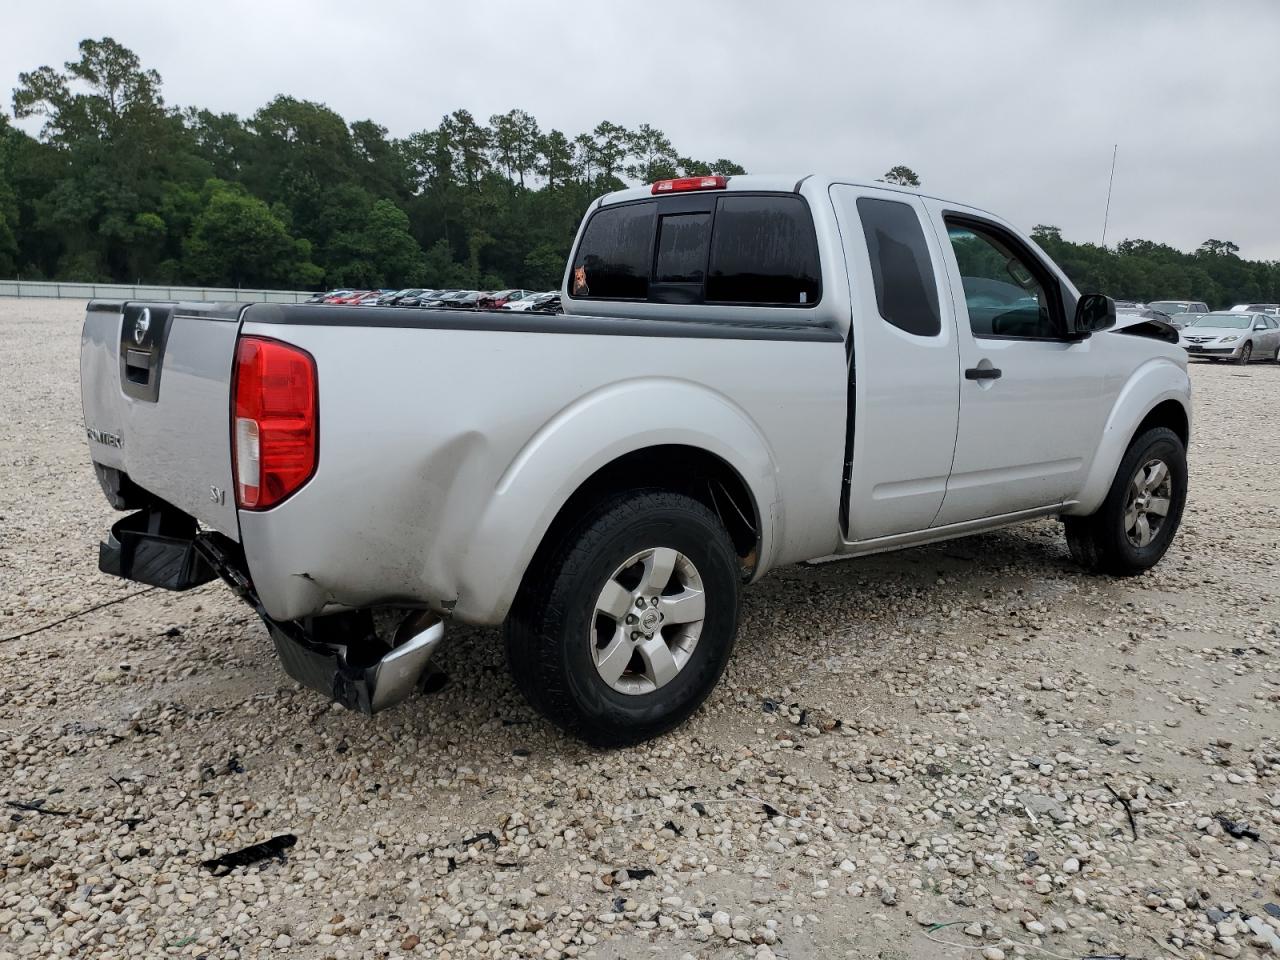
731 249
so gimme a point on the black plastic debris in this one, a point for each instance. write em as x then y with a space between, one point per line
1124 802
769 706
671 825
1238 829
487 835
618 904
770 810
233 765
272 849
521 752
699 806
36 806
639 874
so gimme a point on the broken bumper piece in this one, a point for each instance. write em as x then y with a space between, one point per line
328 668
340 655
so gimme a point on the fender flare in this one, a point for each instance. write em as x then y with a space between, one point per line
1153 383
579 440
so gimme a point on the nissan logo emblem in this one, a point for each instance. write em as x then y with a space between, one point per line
141 326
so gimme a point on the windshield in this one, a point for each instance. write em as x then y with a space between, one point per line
1224 321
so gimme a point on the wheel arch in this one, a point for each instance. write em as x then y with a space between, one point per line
1157 394
655 433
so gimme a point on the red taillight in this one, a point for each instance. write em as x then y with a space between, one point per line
683 184
274 429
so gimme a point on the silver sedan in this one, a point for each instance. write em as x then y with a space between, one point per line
1240 337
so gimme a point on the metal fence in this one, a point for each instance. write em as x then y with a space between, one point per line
124 291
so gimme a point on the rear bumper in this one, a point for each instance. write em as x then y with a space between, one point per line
339 656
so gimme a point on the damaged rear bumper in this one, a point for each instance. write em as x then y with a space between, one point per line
339 656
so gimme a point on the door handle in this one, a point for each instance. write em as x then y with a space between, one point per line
982 373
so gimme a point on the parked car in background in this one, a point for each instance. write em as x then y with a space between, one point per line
542 302
1232 335
499 298
1174 307
1272 308
348 297
438 297
1128 305
322 297
391 299
464 300
608 482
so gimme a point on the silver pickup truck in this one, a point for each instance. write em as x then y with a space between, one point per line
750 372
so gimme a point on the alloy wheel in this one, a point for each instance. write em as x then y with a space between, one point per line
1150 494
647 621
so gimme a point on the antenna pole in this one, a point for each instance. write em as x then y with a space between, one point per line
1107 215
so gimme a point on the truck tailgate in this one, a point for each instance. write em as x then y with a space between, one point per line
155 381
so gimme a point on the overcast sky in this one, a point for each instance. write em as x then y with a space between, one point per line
1011 105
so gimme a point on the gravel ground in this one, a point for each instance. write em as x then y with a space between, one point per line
968 750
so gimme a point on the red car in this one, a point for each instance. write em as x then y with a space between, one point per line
351 296
492 301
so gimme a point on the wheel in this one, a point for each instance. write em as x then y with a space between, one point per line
1246 354
1133 528
622 628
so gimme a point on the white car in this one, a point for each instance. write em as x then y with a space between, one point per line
1233 335
1272 308
530 302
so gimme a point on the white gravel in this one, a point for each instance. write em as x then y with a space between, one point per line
952 735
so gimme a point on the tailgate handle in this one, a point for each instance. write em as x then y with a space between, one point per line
137 365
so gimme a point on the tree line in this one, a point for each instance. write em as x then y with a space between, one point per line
120 186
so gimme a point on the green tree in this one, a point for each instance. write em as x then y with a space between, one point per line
654 156
237 241
901 176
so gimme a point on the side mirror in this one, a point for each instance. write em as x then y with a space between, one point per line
1094 312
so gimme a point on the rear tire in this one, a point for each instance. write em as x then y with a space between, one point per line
572 646
1128 534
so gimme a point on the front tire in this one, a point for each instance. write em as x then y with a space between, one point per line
1133 528
1246 354
623 626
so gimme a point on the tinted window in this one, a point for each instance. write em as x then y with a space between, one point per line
900 266
1004 290
613 258
682 248
763 250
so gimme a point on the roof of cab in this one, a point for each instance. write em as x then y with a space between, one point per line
775 183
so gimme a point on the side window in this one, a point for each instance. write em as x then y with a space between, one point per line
1007 293
614 256
763 251
906 292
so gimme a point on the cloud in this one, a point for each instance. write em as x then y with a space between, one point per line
1013 106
